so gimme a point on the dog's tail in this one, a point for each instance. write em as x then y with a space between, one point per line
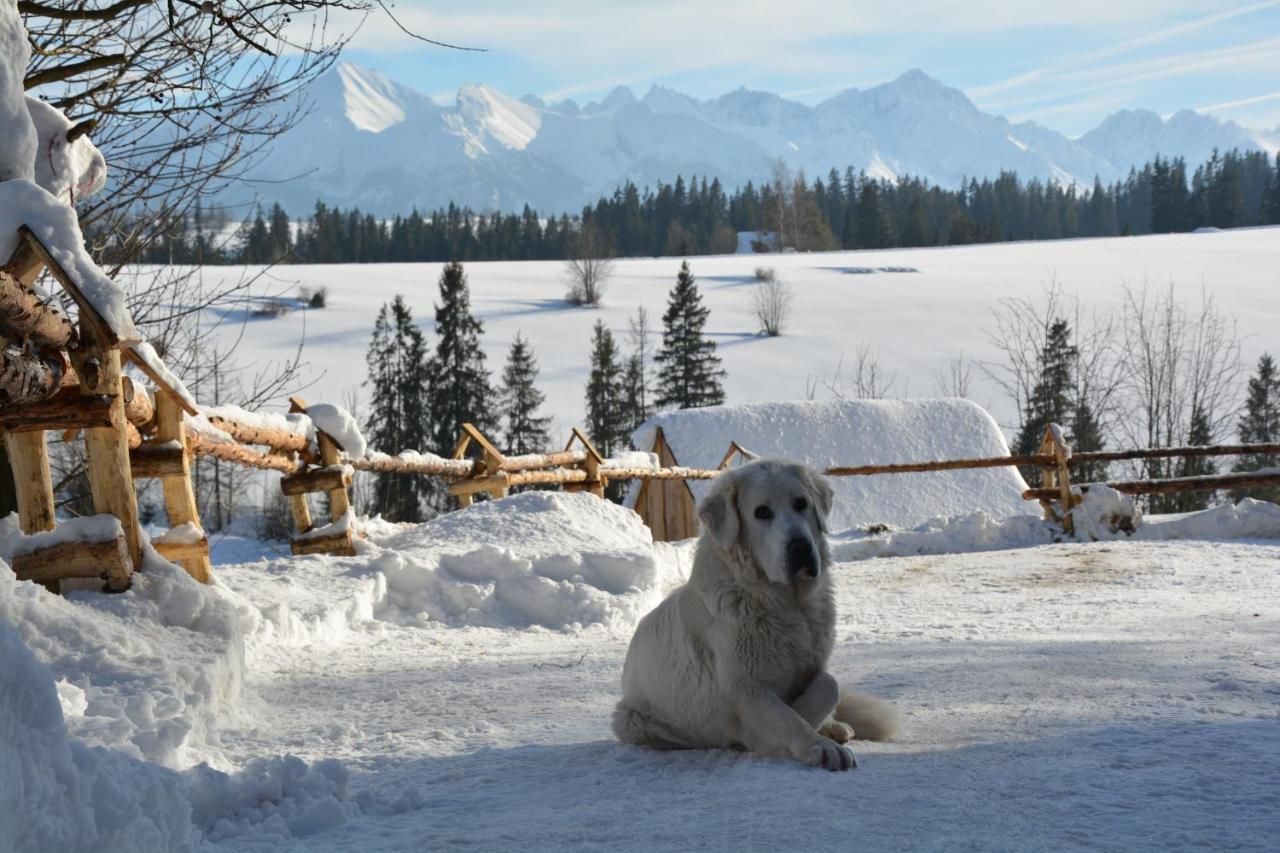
870 717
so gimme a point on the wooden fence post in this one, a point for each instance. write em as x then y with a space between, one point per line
107 456
179 496
1057 475
29 460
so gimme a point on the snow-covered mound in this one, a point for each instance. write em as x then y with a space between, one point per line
546 559
860 432
536 558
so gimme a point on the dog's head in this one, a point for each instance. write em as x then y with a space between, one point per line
774 511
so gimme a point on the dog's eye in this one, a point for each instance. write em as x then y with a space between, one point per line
764 513
801 504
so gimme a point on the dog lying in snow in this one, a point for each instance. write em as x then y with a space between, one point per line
737 657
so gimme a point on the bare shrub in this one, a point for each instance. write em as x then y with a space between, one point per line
773 300
868 380
317 298
588 267
953 380
765 274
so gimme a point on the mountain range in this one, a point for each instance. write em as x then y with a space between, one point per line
386 148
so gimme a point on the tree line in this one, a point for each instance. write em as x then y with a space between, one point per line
849 210
421 396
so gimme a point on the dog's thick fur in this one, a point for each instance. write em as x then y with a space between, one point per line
737 657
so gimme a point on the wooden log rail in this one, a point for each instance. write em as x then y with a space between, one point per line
277 439
1176 485
384 464
204 445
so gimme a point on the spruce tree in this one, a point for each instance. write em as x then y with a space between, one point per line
460 388
1200 434
524 431
689 371
1050 400
1260 424
398 417
606 400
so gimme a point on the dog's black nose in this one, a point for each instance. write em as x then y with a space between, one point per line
800 556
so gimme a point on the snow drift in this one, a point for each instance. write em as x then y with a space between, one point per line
860 432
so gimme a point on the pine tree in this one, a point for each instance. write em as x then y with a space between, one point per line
1260 424
635 411
525 432
460 388
1050 400
1200 434
398 418
606 402
689 371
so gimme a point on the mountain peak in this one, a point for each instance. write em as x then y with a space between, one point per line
370 101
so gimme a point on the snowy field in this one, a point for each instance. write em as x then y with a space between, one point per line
450 688
917 322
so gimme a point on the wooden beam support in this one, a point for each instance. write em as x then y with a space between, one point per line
107 460
330 455
138 408
183 552
69 409
179 497
338 544
301 513
316 480
157 460
29 459
107 559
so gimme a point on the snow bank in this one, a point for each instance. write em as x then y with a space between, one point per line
62 795
152 672
860 432
1105 515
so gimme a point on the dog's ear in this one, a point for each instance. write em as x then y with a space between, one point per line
822 494
719 511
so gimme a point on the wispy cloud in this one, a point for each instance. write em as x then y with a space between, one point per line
1242 102
1058 68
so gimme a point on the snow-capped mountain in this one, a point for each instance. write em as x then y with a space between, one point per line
371 142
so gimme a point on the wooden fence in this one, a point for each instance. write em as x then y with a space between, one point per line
64 376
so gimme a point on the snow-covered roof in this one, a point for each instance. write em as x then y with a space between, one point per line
860 432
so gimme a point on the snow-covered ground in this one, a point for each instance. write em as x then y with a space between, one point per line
918 322
451 687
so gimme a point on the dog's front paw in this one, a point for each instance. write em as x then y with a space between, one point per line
831 755
837 731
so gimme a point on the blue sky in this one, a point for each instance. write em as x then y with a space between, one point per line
1064 65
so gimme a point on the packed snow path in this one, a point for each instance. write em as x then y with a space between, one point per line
1102 697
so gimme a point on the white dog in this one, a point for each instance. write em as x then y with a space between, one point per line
737 657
